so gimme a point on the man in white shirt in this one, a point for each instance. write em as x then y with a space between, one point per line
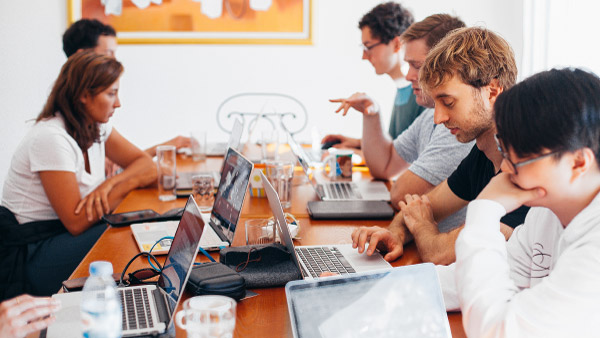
544 281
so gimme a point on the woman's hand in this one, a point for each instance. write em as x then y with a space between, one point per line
97 201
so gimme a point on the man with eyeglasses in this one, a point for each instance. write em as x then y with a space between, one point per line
381 28
463 74
425 154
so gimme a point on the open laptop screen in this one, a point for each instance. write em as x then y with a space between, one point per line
182 254
232 190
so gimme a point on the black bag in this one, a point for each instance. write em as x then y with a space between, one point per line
262 266
214 278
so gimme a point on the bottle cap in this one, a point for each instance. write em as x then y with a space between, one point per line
101 268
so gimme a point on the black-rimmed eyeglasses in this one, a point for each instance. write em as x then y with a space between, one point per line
367 49
513 166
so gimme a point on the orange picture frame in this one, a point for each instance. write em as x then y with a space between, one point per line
182 21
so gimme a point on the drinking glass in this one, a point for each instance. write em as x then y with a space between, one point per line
166 172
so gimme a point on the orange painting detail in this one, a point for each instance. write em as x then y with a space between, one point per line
185 16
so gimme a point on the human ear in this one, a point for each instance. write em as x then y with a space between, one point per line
494 90
397 43
582 160
85 98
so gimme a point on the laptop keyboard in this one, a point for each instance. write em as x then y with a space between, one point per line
342 191
136 308
320 259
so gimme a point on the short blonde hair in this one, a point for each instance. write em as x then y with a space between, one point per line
475 54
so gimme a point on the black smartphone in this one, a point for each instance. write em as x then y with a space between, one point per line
126 218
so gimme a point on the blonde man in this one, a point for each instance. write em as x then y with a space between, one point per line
463 74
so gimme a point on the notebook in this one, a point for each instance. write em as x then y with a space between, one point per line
184 179
224 216
315 259
155 304
340 190
405 301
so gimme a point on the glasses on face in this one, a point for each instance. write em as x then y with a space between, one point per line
513 166
367 49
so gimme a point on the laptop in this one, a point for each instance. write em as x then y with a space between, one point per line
315 259
147 309
224 216
220 148
407 301
341 190
184 179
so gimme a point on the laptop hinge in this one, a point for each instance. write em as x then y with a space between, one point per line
219 232
162 308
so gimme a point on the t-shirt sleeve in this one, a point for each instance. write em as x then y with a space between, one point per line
460 180
51 150
440 157
105 130
406 144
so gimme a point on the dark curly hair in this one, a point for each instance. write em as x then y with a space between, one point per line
387 21
84 34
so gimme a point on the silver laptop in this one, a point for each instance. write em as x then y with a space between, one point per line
315 259
220 148
408 302
184 179
224 216
339 190
147 309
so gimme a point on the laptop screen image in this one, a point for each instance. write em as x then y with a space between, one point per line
181 256
402 302
230 195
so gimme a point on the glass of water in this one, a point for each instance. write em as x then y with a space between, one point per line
203 191
280 174
166 169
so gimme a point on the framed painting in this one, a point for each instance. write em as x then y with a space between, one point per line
201 21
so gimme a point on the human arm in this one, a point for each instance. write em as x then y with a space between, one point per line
389 241
379 153
178 142
138 168
25 314
408 183
421 216
561 300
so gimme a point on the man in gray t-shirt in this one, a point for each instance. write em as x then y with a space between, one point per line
424 155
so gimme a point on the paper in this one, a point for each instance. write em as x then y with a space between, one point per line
113 7
212 8
260 5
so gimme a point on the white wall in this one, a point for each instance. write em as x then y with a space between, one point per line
167 86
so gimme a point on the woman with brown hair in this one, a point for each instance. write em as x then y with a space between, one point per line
56 188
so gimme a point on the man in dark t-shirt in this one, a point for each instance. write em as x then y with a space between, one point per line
463 74
472 175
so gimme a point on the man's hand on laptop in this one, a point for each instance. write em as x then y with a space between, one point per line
377 238
341 141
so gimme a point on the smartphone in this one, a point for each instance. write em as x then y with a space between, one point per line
126 218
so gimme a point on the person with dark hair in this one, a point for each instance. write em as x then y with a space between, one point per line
94 35
55 191
90 34
463 73
544 281
425 154
381 29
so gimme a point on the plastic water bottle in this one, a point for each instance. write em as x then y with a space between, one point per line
100 304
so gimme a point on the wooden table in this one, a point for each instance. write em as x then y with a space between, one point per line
265 315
